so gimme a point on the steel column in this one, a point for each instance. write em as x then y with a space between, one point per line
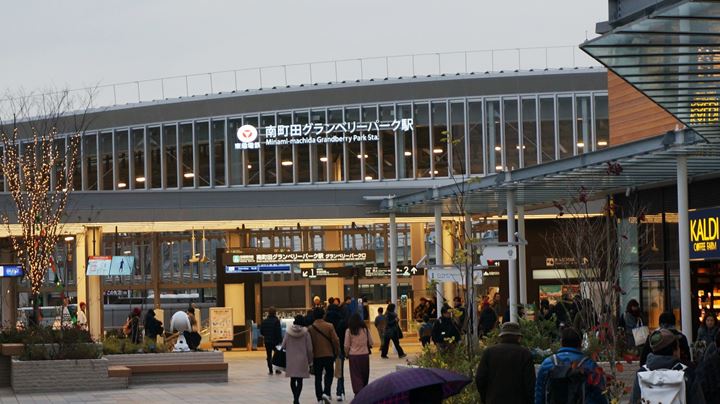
684 247
512 264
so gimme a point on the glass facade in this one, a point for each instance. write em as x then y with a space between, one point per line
448 138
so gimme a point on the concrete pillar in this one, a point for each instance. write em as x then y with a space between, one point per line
438 254
522 267
512 264
81 267
448 252
417 251
333 286
393 258
93 237
684 248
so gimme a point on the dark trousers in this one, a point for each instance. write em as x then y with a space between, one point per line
296 384
268 355
323 366
359 372
391 336
340 389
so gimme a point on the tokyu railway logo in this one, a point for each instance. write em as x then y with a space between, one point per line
313 133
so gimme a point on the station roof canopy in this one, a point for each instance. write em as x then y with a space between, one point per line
644 163
672 55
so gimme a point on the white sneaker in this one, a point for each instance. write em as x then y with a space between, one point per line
326 399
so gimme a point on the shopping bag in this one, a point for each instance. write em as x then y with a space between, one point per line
279 359
640 334
338 368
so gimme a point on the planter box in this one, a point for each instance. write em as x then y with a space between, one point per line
62 375
165 358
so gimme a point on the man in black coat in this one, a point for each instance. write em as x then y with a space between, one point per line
272 336
445 332
506 373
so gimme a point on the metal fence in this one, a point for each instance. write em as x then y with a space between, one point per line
334 71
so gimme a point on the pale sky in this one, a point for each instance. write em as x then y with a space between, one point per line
72 44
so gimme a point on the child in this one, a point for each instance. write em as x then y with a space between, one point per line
425 331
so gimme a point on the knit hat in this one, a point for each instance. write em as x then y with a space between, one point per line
510 328
661 339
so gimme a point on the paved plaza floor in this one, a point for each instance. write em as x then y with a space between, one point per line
248 383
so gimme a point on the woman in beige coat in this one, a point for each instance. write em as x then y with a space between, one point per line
357 346
299 356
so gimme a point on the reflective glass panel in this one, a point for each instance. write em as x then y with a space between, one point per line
236 156
320 157
122 159
602 126
583 123
170 153
547 129
106 161
187 165
565 126
529 132
218 153
138 152
494 139
155 161
422 137
476 141
286 151
387 145
202 141
404 150
457 137
512 144
356 155
336 156
440 141
302 152
252 157
269 153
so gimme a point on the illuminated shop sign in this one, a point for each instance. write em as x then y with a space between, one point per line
704 233
264 269
314 133
11 270
704 110
301 257
382 271
327 272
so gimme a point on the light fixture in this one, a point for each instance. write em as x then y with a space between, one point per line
518 147
249 166
122 185
127 252
602 143
188 175
580 144
323 159
498 148
286 163
361 156
368 178
435 172
498 168
437 151
140 179
408 154
69 238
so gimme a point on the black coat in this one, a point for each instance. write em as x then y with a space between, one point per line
270 330
444 330
707 378
506 374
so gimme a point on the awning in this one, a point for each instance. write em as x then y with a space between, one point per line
672 55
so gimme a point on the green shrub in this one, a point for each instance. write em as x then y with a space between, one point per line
455 359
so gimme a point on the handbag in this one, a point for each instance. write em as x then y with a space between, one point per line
367 335
279 358
640 333
338 368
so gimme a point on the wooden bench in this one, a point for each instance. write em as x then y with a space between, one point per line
177 368
119 371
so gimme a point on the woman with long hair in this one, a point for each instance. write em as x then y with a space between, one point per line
708 329
392 333
299 355
358 343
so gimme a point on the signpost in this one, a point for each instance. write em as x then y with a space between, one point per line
221 327
453 274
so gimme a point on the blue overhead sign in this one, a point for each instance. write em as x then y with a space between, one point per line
11 270
255 269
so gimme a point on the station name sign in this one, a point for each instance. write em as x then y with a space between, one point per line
317 133
300 257
704 233
254 269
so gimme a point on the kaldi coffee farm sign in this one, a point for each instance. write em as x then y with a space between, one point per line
313 133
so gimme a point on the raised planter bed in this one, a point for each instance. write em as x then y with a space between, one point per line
57 375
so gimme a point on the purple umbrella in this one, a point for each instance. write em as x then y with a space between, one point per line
399 387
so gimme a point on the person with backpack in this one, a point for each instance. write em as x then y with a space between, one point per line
664 379
506 373
568 376
667 321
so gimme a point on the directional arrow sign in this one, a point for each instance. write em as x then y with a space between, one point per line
452 275
499 253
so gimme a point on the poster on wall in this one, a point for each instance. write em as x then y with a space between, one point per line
221 324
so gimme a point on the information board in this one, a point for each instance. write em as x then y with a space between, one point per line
122 265
221 324
99 266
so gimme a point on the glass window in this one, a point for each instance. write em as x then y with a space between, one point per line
547 129
565 127
477 162
457 137
286 153
356 154
155 167
302 152
138 152
320 150
406 142
57 177
218 154
422 137
369 114
440 141
202 142
336 157
187 165
171 162
529 132
512 144
602 126
122 160
582 123
251 158
269 160
106 161
387 140
77 173
236 160
494 139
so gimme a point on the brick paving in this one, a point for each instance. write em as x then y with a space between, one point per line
248 383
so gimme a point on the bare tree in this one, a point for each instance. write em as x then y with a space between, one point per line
40 156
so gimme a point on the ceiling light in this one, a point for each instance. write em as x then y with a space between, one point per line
407 153
602 143
580 144
498 168
122 185
498 148
368 178
518 147
323 159
437 151
140 179
435 172
188 175
69 238
286 163
249 166
361 156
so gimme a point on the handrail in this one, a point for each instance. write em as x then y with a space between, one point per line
328 71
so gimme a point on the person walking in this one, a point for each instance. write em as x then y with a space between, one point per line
272 336
556 378
299 356
326 346
667 322
425 331
380 323
358 343
392 333
335 316
631 319
506 373
488 319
